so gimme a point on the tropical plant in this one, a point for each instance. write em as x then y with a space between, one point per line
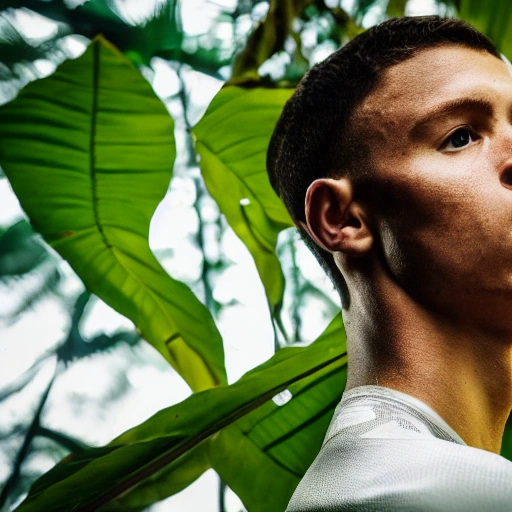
89 152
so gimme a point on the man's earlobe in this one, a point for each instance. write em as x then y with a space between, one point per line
334 220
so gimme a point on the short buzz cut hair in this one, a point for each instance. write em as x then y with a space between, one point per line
313 137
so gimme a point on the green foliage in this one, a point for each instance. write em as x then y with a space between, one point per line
20 252
232 140
279 443
160 35
23 255
15 49
89 152
495 23
269 437
171 479
506 447
396 8
268 37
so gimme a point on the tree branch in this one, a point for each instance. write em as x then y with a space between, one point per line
23 451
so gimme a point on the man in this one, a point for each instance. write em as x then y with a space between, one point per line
394 158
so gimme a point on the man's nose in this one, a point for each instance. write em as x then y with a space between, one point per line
506 176
504 153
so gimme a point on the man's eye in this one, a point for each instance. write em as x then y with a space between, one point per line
459 140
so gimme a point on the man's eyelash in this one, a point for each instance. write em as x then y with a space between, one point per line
472 132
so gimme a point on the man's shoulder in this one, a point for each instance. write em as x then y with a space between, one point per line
422 474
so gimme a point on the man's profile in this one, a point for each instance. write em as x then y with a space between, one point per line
394 159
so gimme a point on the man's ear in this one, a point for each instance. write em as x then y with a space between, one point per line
333 220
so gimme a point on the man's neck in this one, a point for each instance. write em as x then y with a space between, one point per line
464 374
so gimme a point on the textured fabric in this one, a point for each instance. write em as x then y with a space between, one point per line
386 451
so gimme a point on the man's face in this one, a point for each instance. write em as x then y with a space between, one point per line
439 126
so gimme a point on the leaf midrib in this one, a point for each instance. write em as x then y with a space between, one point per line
92 142
92 174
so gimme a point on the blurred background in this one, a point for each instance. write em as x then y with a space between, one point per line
73 372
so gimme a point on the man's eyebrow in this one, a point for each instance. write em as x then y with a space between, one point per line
453 107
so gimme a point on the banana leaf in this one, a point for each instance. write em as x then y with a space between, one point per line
89 152
177 444
231 140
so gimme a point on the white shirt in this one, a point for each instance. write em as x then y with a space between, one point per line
386 451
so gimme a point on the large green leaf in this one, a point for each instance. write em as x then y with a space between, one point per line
232 140
89 153
269 436
170 480
279 442
494 19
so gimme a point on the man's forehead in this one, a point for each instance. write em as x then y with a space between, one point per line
433 76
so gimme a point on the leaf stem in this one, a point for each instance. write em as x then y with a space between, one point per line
200 239
222 495
73 445
297 289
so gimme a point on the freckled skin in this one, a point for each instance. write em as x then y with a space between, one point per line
431 302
